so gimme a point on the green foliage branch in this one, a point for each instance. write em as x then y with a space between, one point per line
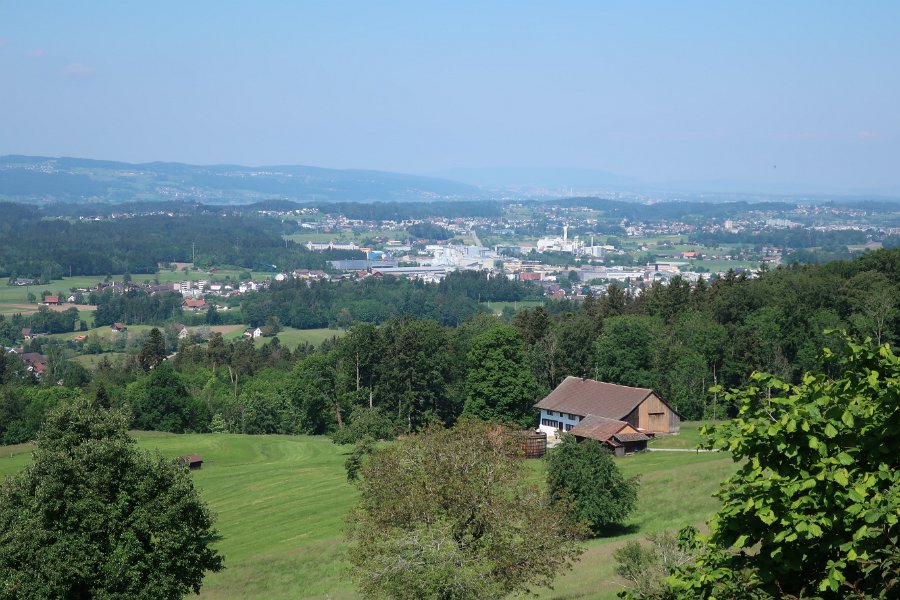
813 509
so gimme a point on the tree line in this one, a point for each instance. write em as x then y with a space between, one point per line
375 300
409 371
50 249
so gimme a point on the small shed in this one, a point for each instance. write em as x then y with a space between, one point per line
619 436
191 461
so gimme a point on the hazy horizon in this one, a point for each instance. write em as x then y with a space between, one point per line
767 96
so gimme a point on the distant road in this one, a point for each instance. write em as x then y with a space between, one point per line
696 450
475 237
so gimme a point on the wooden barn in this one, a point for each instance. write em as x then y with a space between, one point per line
191 461
594 409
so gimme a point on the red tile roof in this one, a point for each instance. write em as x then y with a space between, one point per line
583 397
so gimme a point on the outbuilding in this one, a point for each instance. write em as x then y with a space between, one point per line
191 461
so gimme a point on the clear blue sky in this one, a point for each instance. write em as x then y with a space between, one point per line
761 92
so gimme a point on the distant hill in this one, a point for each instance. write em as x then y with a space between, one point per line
48 180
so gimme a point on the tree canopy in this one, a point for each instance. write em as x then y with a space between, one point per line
586 475
94 517
448 514
813 508
499 386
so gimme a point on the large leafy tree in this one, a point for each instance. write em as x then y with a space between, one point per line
415 379
448 513
94 517
499 386
813 508
586 475
628 350
161 402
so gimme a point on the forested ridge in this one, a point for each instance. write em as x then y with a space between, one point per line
31 246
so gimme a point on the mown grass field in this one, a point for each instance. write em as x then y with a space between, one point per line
348 236
281 502
291 337
497 307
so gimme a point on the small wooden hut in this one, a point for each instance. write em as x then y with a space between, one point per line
191 461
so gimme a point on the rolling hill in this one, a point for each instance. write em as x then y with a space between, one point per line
39 179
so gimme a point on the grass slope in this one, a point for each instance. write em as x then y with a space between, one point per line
291 337
281 502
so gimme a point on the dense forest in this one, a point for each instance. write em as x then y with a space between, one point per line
384 379
31 246
374 300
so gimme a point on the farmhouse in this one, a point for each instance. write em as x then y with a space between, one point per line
193 304
253 332
51 300
118 327
618 415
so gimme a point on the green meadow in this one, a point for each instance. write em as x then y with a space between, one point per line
291 337
281 503
497 307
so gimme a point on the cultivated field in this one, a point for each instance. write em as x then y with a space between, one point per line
281 502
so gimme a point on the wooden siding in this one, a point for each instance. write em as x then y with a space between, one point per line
654 416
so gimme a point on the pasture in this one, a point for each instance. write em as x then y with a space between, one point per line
497 307
291 337
281 502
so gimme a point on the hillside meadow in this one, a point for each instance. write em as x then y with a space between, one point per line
281 502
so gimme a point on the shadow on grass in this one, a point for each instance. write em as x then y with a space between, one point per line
614 531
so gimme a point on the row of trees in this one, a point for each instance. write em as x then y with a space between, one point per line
42 321
451 302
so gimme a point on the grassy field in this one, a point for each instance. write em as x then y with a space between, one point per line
497 307
166 276
92 360
688 438
348 236
104 333
291 337
281 502
12 294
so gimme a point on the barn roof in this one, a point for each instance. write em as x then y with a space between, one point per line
579 396
598 428
631 437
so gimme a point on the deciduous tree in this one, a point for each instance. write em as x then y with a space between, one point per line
813 508
448 514
499 386
94 517
586 475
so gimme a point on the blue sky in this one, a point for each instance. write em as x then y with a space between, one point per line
767 93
